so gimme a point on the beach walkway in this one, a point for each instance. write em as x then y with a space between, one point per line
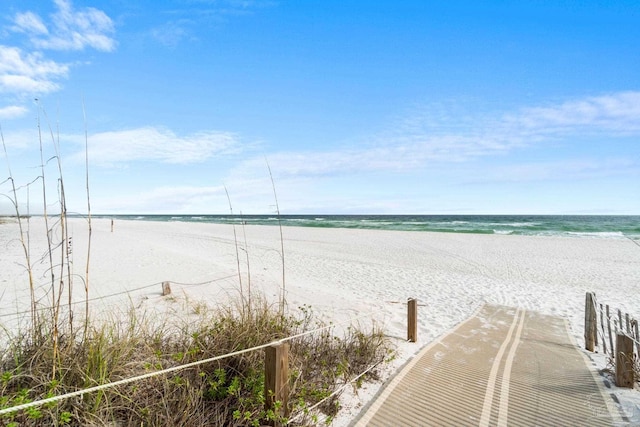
502 367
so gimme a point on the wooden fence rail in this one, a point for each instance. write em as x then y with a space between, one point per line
625 333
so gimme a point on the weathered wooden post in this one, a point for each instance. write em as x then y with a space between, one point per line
620 320
609 329
637 336
590 322
166 288
276 379
604 335
412 320
624 361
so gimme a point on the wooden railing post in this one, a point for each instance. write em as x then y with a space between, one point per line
276 379
624 361
166 288
609 329
590 322
412 320
604 335
636 335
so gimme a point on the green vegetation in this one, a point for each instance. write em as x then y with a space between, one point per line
58 353
227 392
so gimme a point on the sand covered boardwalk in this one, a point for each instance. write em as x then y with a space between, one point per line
501 367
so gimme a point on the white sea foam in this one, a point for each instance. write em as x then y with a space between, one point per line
503 231
599 234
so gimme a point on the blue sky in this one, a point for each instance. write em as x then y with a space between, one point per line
456 107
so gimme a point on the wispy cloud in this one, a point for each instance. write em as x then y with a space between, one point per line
20 139
186 22
29 23
567 170
617 114
12 112
28 73
171 34
157 144
69 29
174 199
421 139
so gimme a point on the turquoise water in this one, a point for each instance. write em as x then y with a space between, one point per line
536 225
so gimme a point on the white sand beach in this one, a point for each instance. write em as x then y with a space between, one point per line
340 273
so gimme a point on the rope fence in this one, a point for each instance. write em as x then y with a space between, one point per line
126 292
336 392
275 389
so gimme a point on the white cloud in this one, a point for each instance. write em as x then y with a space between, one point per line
28 74
70 29
29 22
566 170
20 139
617 114
171 34
174 199
157 144
12 112
421 141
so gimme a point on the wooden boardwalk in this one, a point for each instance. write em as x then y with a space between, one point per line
502 367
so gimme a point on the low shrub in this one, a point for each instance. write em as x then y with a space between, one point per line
227 392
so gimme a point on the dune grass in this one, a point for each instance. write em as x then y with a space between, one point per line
227 392
57 353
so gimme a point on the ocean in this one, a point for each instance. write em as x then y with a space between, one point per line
594 226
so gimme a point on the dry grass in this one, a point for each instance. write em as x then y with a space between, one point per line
58 354
227 392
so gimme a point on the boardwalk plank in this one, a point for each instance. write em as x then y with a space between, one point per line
451 381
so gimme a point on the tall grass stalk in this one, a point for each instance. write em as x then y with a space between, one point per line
246 254
65 245
48 231
23 243
86 271
275 196
235 240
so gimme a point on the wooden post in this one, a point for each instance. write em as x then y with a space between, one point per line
112 225
624 361
626 317
604 337
637 335
412 320
590 323
166 288
276 379
609 328
620 321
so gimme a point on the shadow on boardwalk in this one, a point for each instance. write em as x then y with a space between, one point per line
502 367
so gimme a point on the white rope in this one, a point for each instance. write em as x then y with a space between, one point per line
126 292
128 380
302 334
164 371
339 390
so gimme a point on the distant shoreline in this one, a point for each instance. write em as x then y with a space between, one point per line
593 226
